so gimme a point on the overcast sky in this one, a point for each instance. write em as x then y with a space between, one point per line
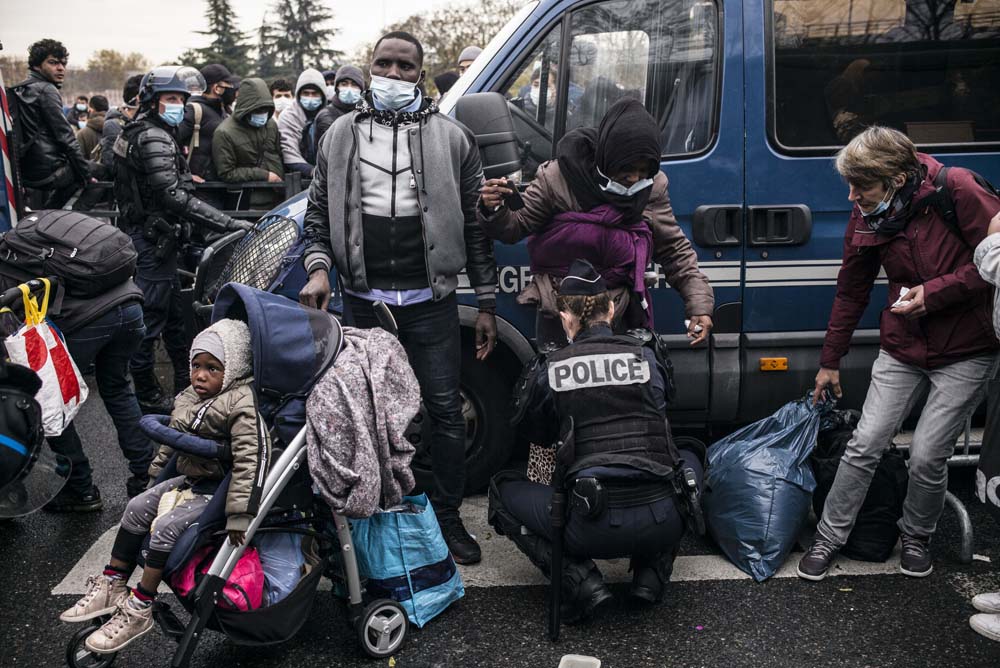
162 29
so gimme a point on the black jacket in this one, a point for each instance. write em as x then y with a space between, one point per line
152 179
71 313
47 143
114 121
212 114
328 115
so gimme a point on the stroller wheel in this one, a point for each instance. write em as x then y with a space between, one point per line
382 628
77 654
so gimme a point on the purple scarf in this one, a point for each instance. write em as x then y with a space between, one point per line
618 250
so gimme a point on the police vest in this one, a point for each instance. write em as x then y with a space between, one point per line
605 385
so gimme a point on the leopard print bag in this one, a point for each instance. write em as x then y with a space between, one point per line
541 463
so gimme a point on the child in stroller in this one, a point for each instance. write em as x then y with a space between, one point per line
219 405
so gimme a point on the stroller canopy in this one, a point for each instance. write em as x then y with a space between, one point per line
293 345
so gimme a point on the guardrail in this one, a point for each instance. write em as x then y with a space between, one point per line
292 185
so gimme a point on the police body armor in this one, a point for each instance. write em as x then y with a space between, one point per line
154 190
605 385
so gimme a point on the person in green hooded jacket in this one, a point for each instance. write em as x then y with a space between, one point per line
246 146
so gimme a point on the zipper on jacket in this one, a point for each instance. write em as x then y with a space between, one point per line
392 201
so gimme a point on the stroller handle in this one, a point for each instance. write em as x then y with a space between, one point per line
13 296
157 429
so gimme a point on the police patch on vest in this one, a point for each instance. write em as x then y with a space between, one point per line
598 370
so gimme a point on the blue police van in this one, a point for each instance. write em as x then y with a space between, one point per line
754 97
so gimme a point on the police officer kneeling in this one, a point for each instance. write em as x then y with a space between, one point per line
157 208
624 479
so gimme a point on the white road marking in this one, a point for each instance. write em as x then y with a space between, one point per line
504 566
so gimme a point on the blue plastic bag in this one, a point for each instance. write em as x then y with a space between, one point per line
759 486
282 560
403 556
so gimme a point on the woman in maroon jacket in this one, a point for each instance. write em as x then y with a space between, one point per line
936 336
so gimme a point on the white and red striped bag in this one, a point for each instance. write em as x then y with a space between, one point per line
39 346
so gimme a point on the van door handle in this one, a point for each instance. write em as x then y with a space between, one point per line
780 225
714 225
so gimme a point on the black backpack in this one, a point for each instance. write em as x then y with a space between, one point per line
875 531
89 256
943 202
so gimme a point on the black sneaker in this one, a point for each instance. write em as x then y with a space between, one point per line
68 501
463 547
915 559
136 484
816 562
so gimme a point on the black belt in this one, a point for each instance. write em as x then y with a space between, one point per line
624 496
591 497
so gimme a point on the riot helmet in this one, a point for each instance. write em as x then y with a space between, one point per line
170 79
30 477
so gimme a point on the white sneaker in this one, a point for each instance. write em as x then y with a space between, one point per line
102 598
987 602
986 625
129 623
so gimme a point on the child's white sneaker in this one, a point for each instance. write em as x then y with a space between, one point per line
102 598
986 625
132 620
989 603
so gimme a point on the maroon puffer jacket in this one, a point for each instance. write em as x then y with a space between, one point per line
958 324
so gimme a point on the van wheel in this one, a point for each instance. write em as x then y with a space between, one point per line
485 388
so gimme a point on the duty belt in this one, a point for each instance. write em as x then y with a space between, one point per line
591 497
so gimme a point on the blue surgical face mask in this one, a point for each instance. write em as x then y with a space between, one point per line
349 95
82 124
616 188
311 103
393 93
881 207
258 120
81 106
172 114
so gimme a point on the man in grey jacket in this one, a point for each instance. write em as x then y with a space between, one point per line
400 227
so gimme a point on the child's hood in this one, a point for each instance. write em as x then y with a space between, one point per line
234 336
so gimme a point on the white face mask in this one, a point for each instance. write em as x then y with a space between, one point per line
282 103
82 124
393 93
535 96
616 188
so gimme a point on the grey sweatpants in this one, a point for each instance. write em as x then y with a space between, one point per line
141 511
955 392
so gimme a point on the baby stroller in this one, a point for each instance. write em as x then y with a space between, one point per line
293 346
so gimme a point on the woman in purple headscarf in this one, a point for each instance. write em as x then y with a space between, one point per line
603 199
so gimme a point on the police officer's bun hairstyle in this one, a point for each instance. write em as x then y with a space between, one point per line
590 309
43 48
584 293
876 156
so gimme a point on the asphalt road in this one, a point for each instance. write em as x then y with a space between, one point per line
712 617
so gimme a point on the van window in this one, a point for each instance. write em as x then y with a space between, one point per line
663 52
926 67
534 113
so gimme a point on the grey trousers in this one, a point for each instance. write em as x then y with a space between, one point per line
141 511
955 392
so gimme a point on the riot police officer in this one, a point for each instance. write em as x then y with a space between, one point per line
604 398
157 207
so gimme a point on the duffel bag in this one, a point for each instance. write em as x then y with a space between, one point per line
89 256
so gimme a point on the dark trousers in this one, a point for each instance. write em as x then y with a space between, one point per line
108 343
430 333
163 308
643 532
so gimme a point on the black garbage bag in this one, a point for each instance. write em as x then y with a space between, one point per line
875 532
